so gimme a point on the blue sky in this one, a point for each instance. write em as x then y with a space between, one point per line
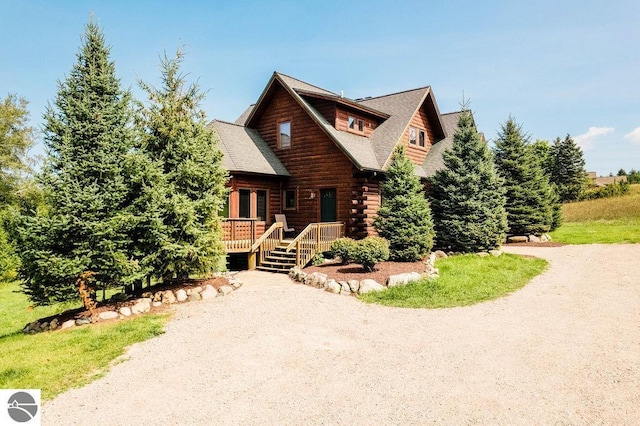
558 67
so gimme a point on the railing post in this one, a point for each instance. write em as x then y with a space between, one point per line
251 261
298 255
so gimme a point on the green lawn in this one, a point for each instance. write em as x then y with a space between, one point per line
606 220
464 280
57 361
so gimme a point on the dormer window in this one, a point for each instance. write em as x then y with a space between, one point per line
355 124
412 135
284 134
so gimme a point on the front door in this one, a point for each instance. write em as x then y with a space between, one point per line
328 205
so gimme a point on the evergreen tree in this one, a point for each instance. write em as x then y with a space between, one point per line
16 138
467 197
404 218
191 189
528 192
85 231
568 171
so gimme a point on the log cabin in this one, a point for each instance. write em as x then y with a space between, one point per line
318 158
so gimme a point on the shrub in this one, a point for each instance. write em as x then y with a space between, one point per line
345 248
370 251
615 189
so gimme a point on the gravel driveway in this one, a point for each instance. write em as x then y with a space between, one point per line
563 350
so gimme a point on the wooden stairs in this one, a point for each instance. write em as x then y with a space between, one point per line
279 260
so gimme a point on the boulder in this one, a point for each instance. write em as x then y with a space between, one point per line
209 292
402 279
332 286
345 289
235 283
369 285
534 238
141 306
157 297
517 239
156 304
125 311
482 254
147 295
354 285
68 324
440 254
181 295
431 260
496 253
225 289
54 324
108 315
194 296
83 321
316 279
545 238
168 297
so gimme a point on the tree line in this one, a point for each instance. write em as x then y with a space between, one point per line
128 191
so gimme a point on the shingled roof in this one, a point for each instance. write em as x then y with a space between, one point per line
394 110
244 150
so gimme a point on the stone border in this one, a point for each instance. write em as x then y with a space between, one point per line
141 305
354 287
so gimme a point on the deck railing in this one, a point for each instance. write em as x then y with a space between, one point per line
266 244
240 234
315 238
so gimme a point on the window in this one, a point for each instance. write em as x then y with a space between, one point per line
245 203
421 138
360 126
284 134
412 135
261 207
352 123
290 199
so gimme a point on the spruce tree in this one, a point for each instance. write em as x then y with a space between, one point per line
85 231
404 218
528 193
191 189
467 196
568 172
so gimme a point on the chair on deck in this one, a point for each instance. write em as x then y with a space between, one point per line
285 228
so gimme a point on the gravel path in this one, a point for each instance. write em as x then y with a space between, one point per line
563 350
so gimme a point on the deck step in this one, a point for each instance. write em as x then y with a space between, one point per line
271 269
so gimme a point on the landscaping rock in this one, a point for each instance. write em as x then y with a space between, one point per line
369 285
158 296
147 295
194 296
402 279
534 238
316 279
545 238
235 283
107 315
354 285
517 239
332 286
482 254
168 297
431 260
440 254
83 321
225 290
344 288
141 306
156 304
68 324
496 253
119 297
209 292
125 311
54 324
181 295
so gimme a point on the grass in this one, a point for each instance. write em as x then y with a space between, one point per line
604 221
464 280
57 361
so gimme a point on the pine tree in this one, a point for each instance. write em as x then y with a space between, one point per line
191 189
404 218
528 193
86 229
568 171
467 197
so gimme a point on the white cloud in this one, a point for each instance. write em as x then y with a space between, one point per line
634 136
588 140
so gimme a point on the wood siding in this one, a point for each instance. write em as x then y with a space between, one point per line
342 122
324 107
313 160
420 121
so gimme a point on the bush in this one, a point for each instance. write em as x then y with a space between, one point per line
615 189
344 248
370 251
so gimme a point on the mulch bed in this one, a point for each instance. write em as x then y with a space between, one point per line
352 271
